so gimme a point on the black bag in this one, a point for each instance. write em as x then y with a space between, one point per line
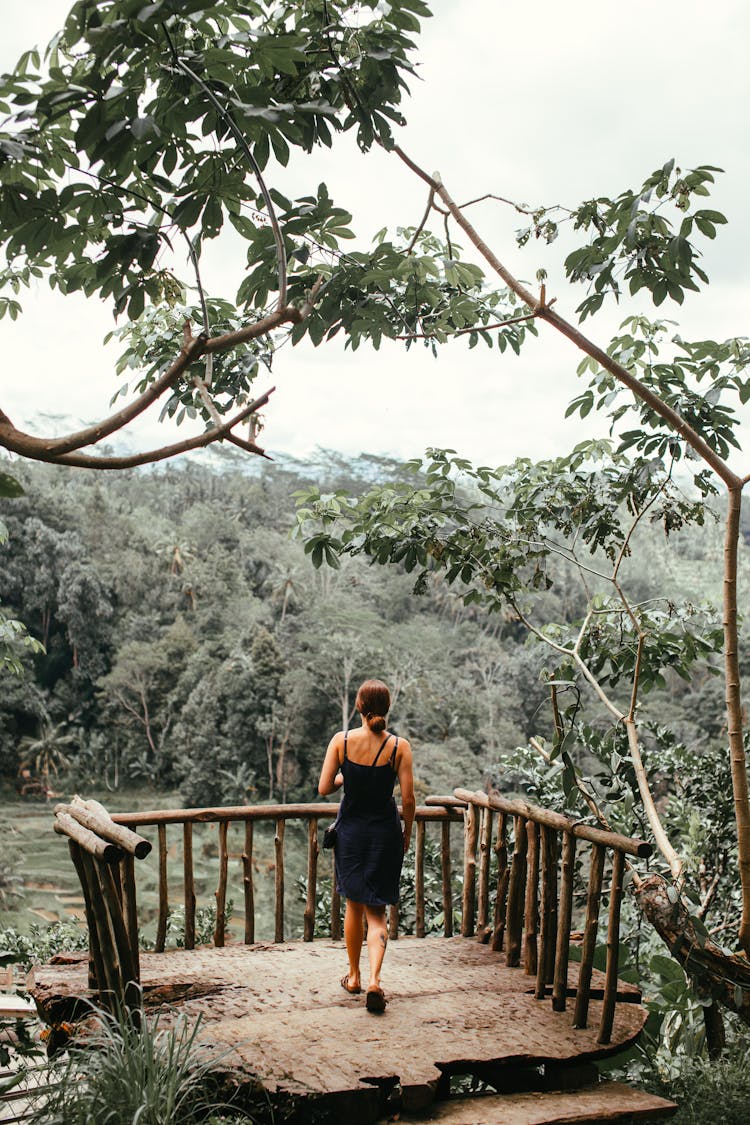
329 836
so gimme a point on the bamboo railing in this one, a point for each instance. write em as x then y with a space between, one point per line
528 912
534 897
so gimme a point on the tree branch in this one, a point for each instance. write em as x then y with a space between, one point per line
86 461
463 331
644 393
51 449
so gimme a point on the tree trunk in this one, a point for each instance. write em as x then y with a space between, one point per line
734 708
713 973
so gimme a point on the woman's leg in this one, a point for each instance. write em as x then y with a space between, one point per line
354 918
377 940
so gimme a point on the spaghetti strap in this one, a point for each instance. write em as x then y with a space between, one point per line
393 755
382 744
346 735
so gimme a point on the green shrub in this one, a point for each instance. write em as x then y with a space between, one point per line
41 943
119 1074
712 1092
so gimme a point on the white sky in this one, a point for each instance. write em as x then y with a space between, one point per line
542 102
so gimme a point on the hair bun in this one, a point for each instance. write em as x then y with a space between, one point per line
377 723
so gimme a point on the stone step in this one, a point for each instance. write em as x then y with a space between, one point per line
606 1101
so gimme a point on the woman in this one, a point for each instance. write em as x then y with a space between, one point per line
370 845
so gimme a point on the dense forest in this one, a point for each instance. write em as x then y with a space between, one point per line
189 643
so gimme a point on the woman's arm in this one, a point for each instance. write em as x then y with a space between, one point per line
330 777
406 783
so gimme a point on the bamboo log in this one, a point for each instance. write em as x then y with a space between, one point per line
483 881
247 882
321 810
419 879
531 905
95 817
593 900
613 949
335 902
393 920
446 878
503 874
564 920
161 924
221 890
66 825
97 980
188 879
547 910
110 990
312 880
516 895
129 991
130 909
278 843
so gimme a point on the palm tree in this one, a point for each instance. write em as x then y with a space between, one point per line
45 753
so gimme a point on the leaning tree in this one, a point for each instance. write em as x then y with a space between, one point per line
148 129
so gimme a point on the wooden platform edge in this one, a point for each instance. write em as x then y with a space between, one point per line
609 1102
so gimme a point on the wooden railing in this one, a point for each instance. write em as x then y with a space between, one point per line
534 884
278 816
534 895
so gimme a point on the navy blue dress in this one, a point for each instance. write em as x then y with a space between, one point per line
369 842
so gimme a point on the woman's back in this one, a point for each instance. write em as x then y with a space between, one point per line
369 778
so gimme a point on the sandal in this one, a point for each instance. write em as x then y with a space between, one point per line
375 1001
346 987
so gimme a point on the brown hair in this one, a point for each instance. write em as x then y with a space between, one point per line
374 702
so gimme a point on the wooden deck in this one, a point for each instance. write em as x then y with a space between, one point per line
279 1019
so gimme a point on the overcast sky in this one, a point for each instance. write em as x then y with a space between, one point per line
542 102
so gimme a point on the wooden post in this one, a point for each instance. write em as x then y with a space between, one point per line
470 867
128 990
531 905
445 876
278 842
613 949
221 890
161 925
312 878
130 909
565 917
110 989
547 911
483 895
393 920
593 900
516 895
188 878
335 903
96 981
247 882
503 874
419 878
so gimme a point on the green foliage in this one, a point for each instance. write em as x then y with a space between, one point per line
695 380
711 1092
142 120
41 943
634 240
155 1074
